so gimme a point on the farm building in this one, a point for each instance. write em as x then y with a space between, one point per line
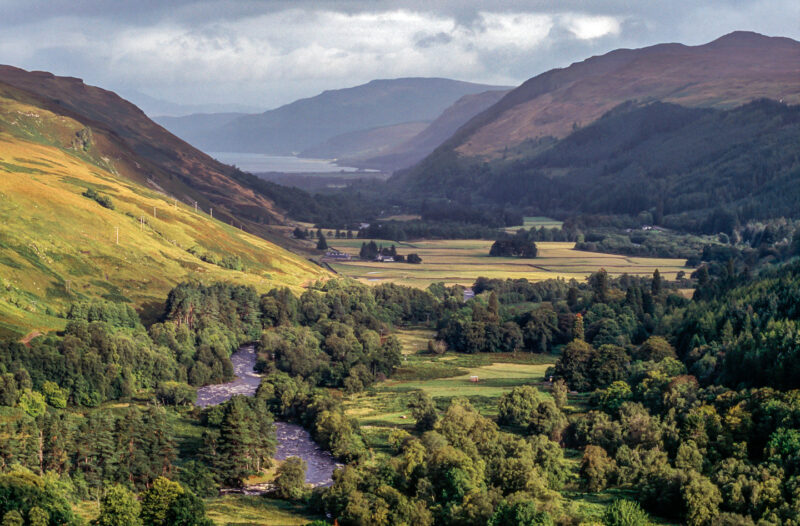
337 254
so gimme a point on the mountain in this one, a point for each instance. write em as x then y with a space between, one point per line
146 153
308 122
155 107
353 147
191 127
725 73
82 216
696 169
417 147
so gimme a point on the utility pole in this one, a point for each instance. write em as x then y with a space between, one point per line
211 212
154 212
69 283
195 206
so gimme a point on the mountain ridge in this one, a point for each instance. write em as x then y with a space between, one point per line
310 121
726 72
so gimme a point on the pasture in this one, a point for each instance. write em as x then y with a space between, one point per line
535 222
384 406
240 510
462 261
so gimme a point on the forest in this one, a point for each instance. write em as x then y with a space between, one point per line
693 170
686 406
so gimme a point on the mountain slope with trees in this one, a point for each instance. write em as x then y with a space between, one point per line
693 169
730 71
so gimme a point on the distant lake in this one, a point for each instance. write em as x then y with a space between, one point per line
259 162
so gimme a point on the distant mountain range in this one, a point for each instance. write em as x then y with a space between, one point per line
324 124
154 106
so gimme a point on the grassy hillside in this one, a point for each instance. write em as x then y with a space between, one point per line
57 246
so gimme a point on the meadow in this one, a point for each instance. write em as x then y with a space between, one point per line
462 261
383 407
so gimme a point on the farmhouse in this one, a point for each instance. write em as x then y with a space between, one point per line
337 254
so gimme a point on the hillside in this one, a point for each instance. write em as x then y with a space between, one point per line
353 147
143 151
690 168
722 74
417 147
58 246
307 122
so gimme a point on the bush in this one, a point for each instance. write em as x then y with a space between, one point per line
175 393
623 512
102 200
291 481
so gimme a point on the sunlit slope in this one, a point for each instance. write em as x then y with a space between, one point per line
57 246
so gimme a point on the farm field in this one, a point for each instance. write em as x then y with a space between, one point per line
462 261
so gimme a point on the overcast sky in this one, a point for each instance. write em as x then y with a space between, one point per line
267 53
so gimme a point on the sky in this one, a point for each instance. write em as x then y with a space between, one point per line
261 54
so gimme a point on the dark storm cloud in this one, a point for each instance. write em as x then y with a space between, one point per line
264 53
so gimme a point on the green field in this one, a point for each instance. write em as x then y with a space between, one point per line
462 261
241 510
383 407
535 222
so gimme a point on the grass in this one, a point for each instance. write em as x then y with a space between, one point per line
241 510
415 340
57 246
535 222
384 407
462 261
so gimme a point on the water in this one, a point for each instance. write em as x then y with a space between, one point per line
246 381
293 440
260 163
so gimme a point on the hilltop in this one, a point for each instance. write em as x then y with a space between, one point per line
730 71
58 245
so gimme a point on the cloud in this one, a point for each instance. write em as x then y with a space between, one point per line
269 53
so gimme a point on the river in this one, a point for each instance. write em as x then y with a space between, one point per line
293 440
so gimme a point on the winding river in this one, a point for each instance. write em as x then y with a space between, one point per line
293 440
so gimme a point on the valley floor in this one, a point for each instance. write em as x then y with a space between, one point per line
463 261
